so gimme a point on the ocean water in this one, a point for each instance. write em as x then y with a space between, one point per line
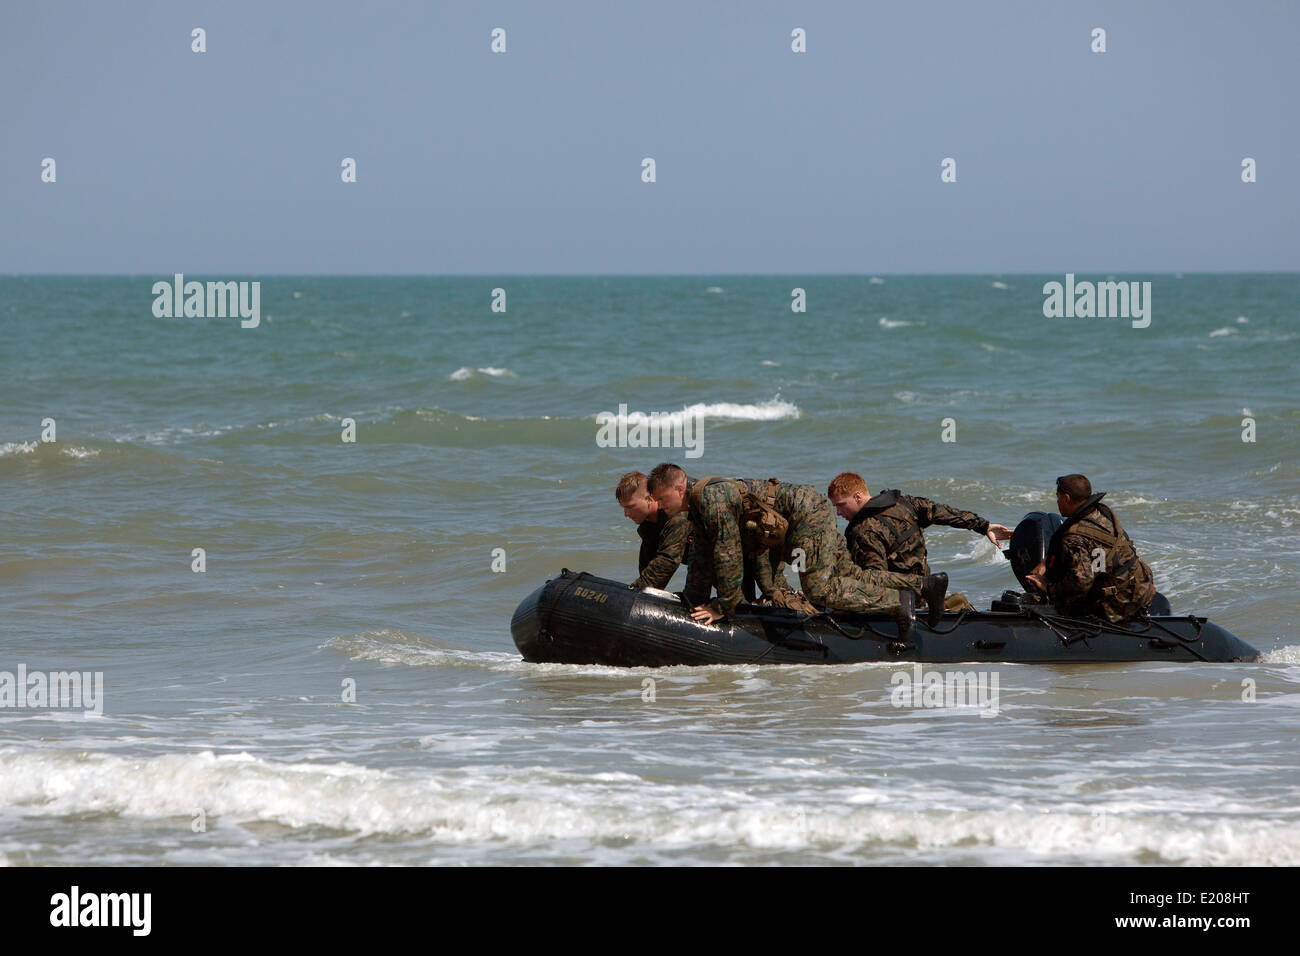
225 736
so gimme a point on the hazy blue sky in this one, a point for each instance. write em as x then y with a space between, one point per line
470 162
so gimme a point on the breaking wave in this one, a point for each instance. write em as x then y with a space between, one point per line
536 805
465 372
773 410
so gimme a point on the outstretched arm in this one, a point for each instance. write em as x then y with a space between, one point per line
932 512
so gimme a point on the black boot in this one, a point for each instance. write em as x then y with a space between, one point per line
935 587
906 608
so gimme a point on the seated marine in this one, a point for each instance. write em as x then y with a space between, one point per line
884 531
1092 568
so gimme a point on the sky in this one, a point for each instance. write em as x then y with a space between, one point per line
767 161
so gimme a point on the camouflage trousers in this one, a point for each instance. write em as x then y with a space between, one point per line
830 578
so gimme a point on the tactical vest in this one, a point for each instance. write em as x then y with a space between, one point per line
1127 585
903 537
762 527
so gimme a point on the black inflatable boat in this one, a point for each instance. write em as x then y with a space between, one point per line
578 618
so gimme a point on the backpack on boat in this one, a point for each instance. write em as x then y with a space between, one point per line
761 526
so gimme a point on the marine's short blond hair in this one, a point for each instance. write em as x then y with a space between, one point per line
846 483
664 475
628 485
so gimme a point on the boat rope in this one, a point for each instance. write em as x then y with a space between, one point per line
1071 631
862 631
866 626
961 615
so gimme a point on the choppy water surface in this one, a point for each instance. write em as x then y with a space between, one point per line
371 562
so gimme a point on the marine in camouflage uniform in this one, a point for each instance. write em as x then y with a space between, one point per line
665 543
718 558
885 534
1119 592
829 579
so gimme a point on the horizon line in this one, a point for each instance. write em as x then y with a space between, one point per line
644 275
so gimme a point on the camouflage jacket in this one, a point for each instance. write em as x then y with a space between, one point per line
718 558
885 534
665 543
1093 568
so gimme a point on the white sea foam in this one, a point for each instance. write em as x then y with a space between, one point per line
399 647
1242 320
999 285
31 447
982 552
1226 330
386 646
537 805
178 433
888 323
714 289
164 436
959 396
465 372
769 411
770 363
876 280
1126 500
1287 654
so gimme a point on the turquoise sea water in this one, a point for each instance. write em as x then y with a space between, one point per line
475 430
